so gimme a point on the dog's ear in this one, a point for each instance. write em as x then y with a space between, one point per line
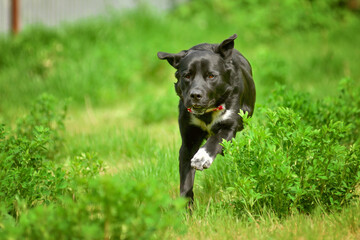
225 48
172 58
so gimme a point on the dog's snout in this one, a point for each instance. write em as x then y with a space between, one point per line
196 95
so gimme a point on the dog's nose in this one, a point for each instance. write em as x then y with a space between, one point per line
196 95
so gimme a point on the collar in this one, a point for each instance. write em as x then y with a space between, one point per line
221 107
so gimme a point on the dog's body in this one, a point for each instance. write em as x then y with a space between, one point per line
214 83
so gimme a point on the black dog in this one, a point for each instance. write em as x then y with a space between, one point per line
214 83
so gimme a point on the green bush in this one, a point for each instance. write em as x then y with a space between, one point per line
110 209
296 158
344 107
46 116
41 200
27 169
29 174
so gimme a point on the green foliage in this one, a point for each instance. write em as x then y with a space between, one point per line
46 117
344 107
156 108
85 166
110 208
286 15
274 69
299 157
39 199
27 171
110 59
64 62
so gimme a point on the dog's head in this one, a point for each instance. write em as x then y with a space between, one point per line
203 74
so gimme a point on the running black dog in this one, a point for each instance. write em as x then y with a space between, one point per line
214 83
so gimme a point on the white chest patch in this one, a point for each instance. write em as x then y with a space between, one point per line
217 116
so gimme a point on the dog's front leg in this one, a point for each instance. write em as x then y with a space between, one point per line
207 153
192 138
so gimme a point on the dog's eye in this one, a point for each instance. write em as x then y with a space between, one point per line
187 76
211 76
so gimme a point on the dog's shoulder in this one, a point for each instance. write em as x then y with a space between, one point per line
240 62
243 76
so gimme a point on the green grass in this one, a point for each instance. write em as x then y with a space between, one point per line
220 225
123 106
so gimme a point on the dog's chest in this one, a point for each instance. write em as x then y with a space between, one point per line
216 117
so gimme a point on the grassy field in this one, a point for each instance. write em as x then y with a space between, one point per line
120 137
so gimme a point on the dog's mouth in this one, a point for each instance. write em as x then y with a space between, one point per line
200 110
197 110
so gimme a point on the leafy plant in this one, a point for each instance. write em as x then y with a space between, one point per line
26 169
295 159
111 209
344 107
46 118
39 199
287 166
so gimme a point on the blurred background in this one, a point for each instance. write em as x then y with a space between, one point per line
102 53
54 12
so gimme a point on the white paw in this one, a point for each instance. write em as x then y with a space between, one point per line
201 160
